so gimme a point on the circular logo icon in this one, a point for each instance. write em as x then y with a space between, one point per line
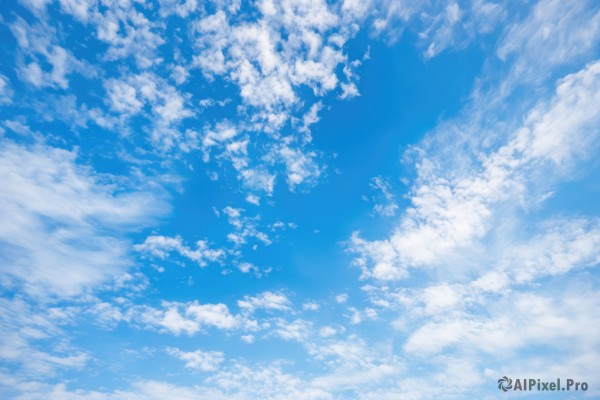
505 383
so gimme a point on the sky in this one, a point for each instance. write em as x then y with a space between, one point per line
298 199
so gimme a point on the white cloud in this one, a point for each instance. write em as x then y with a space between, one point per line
327 331
199 360
440 298
441 25
349 90
32 73
558 248
59 236
311 306
37 7
311 117
68 109
356 366
27 329
297 45
19 127
179 74
451 211
253 199
6 92
297 330
547 322
301 169
291 45
128 33
80 9
224 132
341 298
181 8
162 246
244 227
39 42
355 316
216 315
562 246
384 202
378 258
135 94
259 179
172 321
266 301
555 33
247 267
123 97
248 338
180 318
499 282
266 59
246 382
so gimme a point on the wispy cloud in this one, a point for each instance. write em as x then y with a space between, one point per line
199 360
61 221
453 210
162 246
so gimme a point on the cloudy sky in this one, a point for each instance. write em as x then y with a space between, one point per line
298 199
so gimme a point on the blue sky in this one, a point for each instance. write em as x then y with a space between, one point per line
298 199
